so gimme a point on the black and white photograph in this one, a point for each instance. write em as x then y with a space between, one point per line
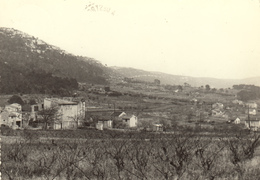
130 90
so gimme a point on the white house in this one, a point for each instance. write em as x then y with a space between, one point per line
100 126
253 124
217 106
13 107
70 113
237 120
12 115
157 127
217 113
118 115
252 105
131 120
251 111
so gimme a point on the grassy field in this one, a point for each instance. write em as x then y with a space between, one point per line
92 154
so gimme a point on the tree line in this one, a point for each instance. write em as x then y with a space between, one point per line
247 92
15 80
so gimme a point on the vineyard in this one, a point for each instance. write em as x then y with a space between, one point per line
129 155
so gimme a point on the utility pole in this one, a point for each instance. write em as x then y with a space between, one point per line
114 109
248 117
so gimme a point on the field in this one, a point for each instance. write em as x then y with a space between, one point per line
92 154
194 144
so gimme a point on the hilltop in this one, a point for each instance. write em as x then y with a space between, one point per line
165 78
24 57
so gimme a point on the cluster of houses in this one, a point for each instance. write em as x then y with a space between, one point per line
121 117
70 113
252 122
250 108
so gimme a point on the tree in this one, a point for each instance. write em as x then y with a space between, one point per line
76 119
32 102
207 87
166 124
49 115
16 99
157 82
214 90
180 88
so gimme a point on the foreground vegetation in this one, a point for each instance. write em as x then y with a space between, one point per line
130 155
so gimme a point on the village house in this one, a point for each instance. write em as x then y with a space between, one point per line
104 124
130 120
217 113
217 106
194 100
15 107
100 125
4 118
30 112
251 105
235 121
251 111
70 113
253 124
117 115
237 102
157 127
11 116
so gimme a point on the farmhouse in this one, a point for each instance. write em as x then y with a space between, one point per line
70 113
131 121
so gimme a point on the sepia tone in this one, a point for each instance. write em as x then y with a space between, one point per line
130 90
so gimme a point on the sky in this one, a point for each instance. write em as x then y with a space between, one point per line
202 38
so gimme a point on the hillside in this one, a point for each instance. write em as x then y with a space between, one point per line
30 65
180 80
22 55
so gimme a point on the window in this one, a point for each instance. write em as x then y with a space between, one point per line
36 108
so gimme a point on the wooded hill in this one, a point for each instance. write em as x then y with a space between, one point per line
28 64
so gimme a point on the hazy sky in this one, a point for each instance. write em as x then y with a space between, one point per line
202 38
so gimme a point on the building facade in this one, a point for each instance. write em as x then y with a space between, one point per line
70 114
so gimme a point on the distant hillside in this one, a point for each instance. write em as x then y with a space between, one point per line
180 80
30 65
22 55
